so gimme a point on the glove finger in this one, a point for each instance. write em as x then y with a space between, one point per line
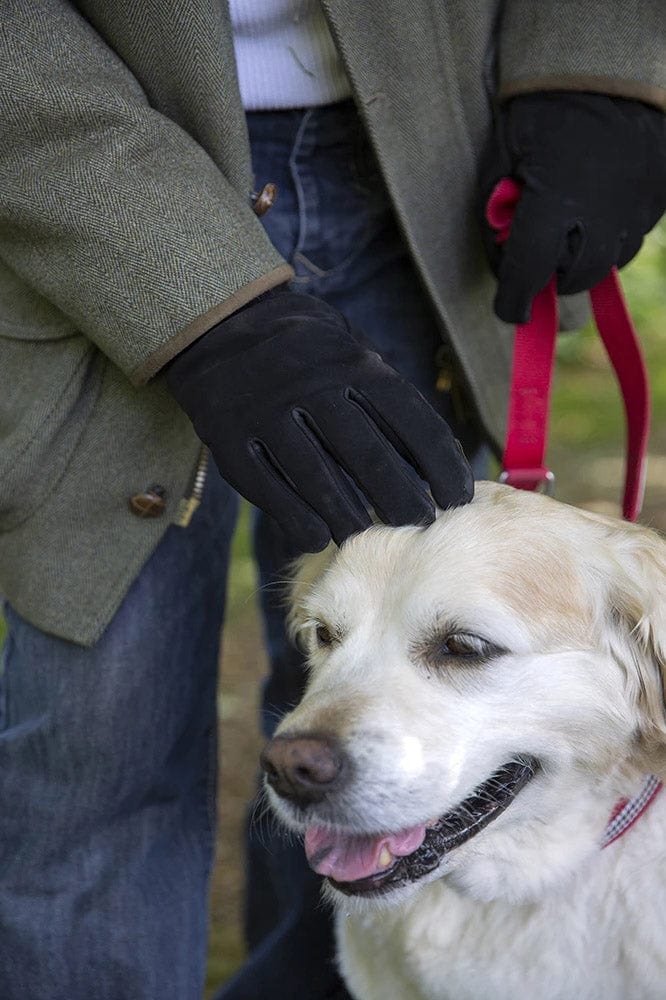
629 249
425 441
319 478
390 455
271 489
388 484
530 257
591 252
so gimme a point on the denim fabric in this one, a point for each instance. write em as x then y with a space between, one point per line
332 221
107 784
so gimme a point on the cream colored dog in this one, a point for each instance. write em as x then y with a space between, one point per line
484 695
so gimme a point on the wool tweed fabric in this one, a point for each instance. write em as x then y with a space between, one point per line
126 231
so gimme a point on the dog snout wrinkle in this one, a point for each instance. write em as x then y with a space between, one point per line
303 768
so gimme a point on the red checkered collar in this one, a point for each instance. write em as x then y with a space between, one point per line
627 811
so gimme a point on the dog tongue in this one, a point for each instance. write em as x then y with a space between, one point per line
345 857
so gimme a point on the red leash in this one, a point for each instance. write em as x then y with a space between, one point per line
529 406
532 374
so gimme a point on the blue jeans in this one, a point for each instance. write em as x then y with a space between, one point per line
107 784
107 755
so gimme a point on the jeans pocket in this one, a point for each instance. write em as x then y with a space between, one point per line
343 205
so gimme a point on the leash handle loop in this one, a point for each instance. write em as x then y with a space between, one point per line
533 365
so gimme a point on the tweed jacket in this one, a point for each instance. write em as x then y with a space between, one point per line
126 231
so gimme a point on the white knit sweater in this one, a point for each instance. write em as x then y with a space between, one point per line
285 55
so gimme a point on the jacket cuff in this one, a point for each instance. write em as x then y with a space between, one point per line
632 89
615 48
202 324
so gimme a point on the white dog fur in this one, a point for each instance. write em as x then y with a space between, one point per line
530 908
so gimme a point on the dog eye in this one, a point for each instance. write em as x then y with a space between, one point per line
444 648
457 646
323 635
465 644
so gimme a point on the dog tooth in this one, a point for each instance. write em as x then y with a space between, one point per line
385 858
432 822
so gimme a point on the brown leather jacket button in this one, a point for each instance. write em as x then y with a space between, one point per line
151 503
265 199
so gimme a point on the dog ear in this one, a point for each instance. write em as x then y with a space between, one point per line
637 603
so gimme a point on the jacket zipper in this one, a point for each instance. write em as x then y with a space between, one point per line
189 504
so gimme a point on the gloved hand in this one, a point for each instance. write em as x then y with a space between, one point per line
594 174
293 407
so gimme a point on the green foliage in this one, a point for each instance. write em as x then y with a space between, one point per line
587 409
242 575
225 954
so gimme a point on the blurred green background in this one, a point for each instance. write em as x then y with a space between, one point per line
586 453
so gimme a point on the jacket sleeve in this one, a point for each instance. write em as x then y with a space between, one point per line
615 47
109 209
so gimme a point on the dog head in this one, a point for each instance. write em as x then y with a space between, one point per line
481 692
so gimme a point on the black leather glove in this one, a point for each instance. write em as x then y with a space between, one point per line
594 174
294 408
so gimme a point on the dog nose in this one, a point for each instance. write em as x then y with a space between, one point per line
302 768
